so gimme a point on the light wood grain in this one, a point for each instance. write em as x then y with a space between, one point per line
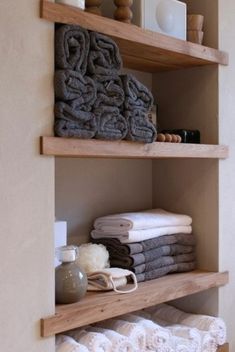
156 51
96 307
71 147
224 348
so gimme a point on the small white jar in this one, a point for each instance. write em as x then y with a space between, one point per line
76 3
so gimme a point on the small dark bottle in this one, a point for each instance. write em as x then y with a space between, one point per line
70 278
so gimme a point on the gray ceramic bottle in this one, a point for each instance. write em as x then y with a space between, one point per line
70 278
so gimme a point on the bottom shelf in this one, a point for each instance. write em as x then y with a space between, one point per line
99 306
224 348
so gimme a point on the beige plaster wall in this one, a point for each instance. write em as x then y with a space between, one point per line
227 168
26 178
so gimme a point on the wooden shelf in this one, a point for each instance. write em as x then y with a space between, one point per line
141 49
100 306
91 148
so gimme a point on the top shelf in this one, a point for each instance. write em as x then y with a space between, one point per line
140 49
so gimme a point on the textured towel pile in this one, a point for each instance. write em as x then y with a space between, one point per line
212 330
151 243
92 99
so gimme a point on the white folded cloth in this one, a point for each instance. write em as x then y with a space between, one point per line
215 326
94 341
120 343
68 344
181 345
133 331
142 235
156 336
140 220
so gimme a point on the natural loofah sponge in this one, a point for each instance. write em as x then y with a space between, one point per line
93 257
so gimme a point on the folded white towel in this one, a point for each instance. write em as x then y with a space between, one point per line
156 336
181 345
94 341
142 235
147 219
120 343
68 344
133 331
215 326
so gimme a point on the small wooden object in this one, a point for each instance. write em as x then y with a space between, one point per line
195 22
93 6
123 12
195 36
169 138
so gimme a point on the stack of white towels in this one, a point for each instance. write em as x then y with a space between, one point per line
161 329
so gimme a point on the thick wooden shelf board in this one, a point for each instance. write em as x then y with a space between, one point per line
141 49
100 306
71 147
224 348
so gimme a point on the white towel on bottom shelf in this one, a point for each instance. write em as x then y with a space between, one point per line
215 326
133 331
142 235
140 220
68 344
156 336
120 343
94 341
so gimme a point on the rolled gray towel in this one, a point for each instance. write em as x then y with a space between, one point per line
137 96
73 86
71 122
72 45
109 91
174 268
140 128
112 125
104 57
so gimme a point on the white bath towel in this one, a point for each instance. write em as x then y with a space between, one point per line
120 343
142 235
156 336
94 341
133 331
140 220
215 326
68 344
181 345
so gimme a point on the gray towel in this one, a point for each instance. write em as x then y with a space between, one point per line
174 268
72 45
137 95
114 246
112 125
163 261
104 57
109 91
71 122
74 87
140 128
148 256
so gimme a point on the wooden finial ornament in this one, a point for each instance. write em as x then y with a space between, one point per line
123 12
93 6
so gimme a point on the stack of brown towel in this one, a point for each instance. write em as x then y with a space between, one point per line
157 251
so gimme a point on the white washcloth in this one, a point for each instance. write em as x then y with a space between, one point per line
215 326
133 331
156 336
142 235
140 220
68 344
120 343
94 341
191 334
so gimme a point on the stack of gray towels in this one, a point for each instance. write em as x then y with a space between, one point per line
151 243
92 99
